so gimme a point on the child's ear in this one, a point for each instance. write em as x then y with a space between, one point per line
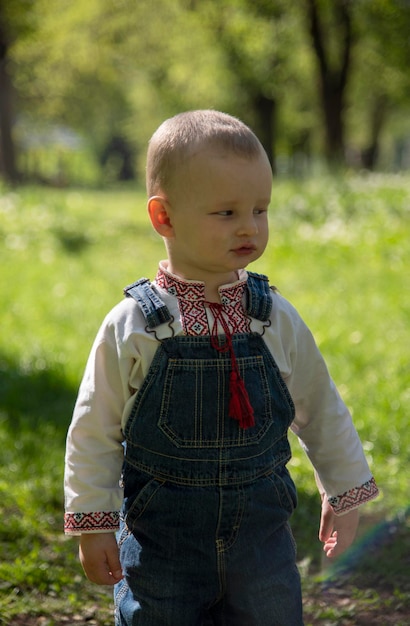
158 209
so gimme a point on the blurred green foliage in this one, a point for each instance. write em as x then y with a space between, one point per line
83 74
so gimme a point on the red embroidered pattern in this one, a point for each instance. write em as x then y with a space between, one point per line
231 298
191 302
76 523
354 497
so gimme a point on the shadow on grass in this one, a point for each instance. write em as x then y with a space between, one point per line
369 584
379 558
72 242
31 398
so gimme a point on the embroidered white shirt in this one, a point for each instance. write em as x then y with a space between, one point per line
120 359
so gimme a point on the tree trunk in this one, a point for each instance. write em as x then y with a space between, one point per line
377 119
333 80
265 111
7 155
264 108
334 124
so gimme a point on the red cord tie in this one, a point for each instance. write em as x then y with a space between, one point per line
240 407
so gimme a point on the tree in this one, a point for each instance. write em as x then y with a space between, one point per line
255 37
9 28
332 44
248 45
383 51
115 69
67 78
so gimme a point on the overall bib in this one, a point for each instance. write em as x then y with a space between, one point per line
204 536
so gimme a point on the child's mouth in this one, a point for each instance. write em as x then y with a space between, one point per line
244 250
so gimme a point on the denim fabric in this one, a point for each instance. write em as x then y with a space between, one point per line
204 537
214 555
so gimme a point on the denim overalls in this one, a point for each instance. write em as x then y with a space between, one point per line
204 535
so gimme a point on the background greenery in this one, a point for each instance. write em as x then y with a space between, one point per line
319 81
338 250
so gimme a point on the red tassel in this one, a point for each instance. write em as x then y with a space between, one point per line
240 407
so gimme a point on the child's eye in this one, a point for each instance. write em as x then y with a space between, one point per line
260 211
226 213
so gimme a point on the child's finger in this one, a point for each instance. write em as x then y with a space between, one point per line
114 566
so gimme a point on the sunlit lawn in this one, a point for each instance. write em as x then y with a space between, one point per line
339 250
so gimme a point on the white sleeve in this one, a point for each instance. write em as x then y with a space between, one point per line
322 421
94 450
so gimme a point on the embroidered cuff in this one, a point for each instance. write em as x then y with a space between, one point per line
77 523
354 497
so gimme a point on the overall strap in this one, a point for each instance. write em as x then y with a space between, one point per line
258 296
153 308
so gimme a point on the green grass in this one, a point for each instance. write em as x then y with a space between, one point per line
339 250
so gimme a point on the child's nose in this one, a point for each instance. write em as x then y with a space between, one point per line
248 226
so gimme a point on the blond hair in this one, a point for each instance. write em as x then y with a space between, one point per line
179 137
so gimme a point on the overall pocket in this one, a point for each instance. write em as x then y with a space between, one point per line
135 506
285 489
195 401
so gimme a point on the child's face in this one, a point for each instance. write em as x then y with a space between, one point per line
218 215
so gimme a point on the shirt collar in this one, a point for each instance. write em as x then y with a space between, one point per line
194 290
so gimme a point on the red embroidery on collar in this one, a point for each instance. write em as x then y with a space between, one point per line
192 304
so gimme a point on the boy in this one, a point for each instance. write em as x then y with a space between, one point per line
195 379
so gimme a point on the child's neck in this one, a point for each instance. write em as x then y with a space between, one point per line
212 289
212 294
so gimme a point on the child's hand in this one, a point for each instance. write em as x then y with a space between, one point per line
99 558
337 533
